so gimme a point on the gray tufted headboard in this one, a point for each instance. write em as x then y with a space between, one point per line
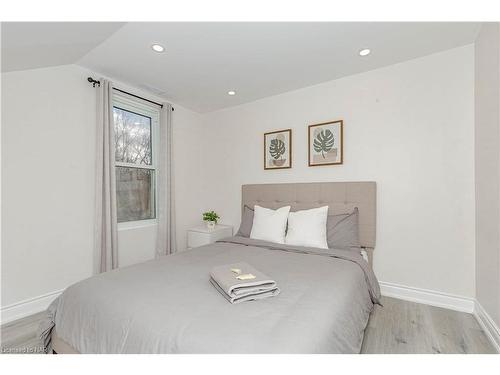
341 198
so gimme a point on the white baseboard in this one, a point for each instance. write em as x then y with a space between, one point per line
428 297
27 307
488 325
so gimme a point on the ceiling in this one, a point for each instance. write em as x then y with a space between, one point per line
28 45
203 61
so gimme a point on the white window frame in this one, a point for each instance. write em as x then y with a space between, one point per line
142 108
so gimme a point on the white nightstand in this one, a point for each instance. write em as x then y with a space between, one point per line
201 235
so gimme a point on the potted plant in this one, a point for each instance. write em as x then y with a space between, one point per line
211 218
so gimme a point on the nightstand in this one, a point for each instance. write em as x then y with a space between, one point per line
201 235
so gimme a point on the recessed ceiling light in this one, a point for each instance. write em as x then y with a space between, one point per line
232 92
364 52
158 48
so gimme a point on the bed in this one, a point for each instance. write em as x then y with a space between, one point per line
169 306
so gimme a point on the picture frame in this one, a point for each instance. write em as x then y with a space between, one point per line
326 143
278 149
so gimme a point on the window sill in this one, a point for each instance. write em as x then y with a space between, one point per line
137 224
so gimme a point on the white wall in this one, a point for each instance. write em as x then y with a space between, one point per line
48 161
487 153
47 181
409 127
188 171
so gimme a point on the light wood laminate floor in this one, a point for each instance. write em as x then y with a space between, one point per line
397 327
413 328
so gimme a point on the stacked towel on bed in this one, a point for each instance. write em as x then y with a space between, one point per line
240 282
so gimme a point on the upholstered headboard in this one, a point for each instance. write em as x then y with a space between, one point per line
340 197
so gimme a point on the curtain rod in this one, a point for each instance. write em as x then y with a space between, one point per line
98 83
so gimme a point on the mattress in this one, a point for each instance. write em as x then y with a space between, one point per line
169 306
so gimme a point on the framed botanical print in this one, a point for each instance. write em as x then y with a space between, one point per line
278 149
326 143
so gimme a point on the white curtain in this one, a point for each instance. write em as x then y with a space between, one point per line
166 240
106 238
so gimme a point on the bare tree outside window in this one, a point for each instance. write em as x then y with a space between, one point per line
132 137
134 159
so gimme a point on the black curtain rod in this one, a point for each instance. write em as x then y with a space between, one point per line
98 83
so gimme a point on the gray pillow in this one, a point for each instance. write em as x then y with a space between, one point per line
342 231
246 222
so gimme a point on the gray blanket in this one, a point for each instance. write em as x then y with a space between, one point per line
167 305
227 280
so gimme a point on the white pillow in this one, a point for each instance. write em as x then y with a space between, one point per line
308 228
269 225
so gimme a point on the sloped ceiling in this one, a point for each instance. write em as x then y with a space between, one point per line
202 61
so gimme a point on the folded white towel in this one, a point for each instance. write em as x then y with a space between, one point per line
241 282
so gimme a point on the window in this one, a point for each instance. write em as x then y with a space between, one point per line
136 129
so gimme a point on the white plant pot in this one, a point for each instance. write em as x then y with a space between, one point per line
210 224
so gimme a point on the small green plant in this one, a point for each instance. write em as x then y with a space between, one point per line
211 216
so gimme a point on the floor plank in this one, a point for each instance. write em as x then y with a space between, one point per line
413 328
397 327
20 336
